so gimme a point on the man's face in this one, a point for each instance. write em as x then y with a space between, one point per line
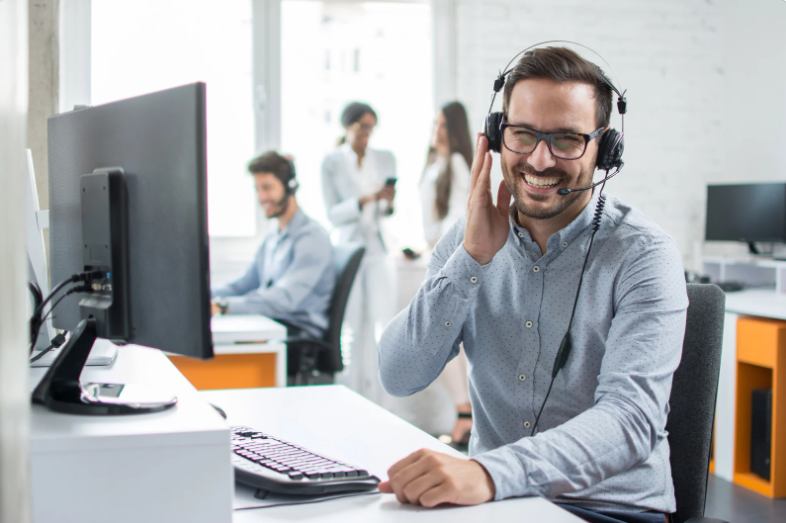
533 179
271 194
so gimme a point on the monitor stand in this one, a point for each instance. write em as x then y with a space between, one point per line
60 389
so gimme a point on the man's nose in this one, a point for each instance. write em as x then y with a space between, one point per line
541 158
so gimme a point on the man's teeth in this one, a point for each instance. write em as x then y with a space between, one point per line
540 182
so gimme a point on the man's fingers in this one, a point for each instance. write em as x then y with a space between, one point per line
484 180
503 198
442 493
481 147
385 487
415 489
404 463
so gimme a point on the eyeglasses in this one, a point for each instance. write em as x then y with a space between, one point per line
567 146
366 128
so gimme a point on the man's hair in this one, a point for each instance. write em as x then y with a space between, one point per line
273 163
561 64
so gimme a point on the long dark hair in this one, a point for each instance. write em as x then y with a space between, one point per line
458 142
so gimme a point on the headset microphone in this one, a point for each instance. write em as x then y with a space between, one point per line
564 191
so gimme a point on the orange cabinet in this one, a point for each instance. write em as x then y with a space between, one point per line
761 364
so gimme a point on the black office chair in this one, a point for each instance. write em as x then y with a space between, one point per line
693 394
321 358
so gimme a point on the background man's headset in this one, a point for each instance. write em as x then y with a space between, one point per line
610 147
291 186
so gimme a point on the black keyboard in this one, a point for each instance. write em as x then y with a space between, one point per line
268 463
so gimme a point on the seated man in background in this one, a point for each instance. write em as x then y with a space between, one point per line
292 277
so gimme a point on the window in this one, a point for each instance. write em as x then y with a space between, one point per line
335 52
141 46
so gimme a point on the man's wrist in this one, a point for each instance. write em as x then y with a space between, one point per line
481 259
222 304
489 482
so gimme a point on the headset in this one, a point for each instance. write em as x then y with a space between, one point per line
611 143
610 147
292 185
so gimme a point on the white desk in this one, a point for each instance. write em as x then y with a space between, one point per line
339 423
251 334
163 467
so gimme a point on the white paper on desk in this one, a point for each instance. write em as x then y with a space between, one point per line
245 498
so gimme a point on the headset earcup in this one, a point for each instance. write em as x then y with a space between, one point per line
610 150
492 132
293 186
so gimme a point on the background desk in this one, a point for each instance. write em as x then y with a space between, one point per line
247 355
339 423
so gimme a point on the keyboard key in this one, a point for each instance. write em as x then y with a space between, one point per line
295 475
362 473
352 474
312 475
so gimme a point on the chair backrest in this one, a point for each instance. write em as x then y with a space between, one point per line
347 260
693 394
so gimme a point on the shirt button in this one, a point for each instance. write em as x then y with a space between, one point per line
536 268
526 424
522 377
521 234
564 244
528 324
473 279
448 324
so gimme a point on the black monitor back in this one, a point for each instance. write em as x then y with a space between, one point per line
746 212
159 140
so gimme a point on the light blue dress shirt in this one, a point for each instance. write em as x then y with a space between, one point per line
291 278
601 440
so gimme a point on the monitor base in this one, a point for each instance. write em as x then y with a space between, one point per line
60 389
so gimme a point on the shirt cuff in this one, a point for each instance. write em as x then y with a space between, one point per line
239 305
464 272
507 473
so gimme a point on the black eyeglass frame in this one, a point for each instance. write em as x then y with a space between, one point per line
547 137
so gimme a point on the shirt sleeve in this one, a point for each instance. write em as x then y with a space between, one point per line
340 212
309 263
628 418
246 283
418 343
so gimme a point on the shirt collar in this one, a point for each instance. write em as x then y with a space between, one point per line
299 219
567 234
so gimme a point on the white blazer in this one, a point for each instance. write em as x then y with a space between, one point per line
342 186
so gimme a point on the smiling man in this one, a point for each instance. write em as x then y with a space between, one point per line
503 281
292 277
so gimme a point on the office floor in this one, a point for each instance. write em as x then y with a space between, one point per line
735 504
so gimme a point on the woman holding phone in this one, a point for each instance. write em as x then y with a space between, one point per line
358 185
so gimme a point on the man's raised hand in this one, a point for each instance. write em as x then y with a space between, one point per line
487 224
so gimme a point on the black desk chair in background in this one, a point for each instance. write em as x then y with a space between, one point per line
693 394
321 358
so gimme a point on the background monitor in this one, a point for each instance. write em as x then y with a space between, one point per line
746 212
159 142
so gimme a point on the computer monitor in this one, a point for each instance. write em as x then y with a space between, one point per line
746 213
128 203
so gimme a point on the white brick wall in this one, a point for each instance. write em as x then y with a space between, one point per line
671 55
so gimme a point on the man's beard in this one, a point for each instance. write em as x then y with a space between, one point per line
282 206
519 187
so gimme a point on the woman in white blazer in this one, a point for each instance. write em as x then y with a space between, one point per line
444 190
357 200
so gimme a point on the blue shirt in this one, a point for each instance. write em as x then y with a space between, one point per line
291 278
601 440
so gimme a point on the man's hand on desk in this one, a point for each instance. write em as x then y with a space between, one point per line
214 308
429 478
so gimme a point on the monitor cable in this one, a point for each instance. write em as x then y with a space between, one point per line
85 287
